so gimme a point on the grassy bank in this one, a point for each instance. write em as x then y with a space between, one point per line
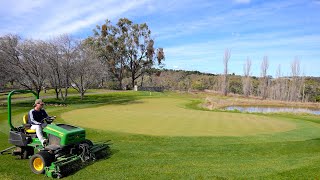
216 101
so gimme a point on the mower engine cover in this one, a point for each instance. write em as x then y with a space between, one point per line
64 134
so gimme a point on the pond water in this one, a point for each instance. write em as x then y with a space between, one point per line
265 109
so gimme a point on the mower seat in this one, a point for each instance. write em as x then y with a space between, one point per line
27 126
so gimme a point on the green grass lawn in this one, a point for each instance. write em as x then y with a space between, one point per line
162 137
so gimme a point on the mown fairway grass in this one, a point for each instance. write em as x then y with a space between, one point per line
280 146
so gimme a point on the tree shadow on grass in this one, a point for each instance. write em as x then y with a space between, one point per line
113 98
103 99
315 139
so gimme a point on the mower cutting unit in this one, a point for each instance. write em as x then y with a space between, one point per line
67 145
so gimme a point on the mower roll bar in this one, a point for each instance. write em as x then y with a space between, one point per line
9 103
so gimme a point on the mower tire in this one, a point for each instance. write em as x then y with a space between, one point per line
39 161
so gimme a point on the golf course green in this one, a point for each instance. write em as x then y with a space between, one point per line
168 117
166 136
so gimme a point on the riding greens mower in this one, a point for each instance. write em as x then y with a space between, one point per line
66 145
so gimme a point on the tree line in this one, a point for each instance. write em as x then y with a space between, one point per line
122 55
112 53
295 87
276 88
292 88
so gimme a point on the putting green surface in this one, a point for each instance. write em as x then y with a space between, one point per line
168 117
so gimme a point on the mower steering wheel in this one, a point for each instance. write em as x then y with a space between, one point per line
50 119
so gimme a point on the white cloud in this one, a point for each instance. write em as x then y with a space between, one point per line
72 19
259 16
42 19
18 8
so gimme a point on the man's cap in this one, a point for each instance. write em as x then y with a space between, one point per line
38 101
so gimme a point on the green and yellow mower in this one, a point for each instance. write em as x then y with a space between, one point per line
67 145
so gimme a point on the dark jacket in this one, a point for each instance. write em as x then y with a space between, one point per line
36 117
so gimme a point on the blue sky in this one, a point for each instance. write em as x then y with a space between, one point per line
194 34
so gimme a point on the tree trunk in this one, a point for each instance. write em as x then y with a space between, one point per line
225 85
38 91
57 92
142 80
132 82
120 84
82 94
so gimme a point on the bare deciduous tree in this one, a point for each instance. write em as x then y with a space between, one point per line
67 50
10 56
54 67
34 63
264 78
26 59
7 72
247 79
303 87
85 69
278 91
224 84
295 81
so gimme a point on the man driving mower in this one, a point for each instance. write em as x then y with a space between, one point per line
65 146
36 117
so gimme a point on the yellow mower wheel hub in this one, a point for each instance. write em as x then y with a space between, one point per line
38 164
